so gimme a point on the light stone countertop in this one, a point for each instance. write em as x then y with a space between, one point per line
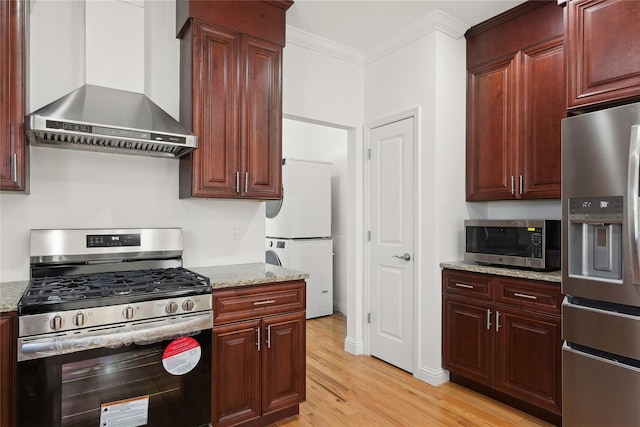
10 294
549 276
225 276
228 276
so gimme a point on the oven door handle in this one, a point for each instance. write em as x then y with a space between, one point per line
142 333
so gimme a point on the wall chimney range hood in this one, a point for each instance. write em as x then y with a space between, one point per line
98 118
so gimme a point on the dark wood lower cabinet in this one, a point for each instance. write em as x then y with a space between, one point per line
502 337
8 368
259 358
236 373
527 357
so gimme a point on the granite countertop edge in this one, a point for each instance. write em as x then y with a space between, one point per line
222 277
548 276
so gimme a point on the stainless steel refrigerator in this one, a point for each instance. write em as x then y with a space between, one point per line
600 268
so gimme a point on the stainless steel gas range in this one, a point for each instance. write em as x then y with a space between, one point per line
113 331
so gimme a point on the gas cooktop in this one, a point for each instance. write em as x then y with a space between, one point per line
58 293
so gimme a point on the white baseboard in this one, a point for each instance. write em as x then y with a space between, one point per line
339 308
353 346
433 377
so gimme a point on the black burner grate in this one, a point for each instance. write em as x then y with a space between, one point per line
137 284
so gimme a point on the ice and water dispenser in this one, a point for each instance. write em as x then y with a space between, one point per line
595 237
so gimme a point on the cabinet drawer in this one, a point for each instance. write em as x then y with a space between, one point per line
241 303
476 285
528 294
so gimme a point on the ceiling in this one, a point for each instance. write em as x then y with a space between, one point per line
362 24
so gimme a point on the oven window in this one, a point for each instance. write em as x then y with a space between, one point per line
87 384
71 390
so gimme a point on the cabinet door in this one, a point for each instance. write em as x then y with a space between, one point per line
283 361
468 347
212 169
13 152
7 370
236 373
261 167
528 357
603 63
491 130
542 110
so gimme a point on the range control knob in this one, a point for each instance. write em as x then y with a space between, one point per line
172 307
128 312
78 319
56 322
187 305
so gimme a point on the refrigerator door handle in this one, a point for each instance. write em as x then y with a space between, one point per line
632 202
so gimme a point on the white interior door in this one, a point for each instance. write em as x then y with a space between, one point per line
391 245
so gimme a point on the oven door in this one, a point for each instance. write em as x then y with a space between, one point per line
155 381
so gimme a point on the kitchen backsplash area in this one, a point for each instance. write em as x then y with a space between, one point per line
77 189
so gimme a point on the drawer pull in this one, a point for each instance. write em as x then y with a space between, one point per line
271 301
525 296
462 285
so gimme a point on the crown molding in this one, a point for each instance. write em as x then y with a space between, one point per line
320 44
435 21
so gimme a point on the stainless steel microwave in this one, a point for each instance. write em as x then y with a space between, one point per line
533 244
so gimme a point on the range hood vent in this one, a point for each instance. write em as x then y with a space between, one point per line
105 119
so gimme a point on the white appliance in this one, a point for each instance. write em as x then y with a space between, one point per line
305 208
298 229
313 256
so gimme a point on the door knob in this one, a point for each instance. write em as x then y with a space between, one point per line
405 257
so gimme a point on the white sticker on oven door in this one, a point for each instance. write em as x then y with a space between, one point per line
125 413
181 355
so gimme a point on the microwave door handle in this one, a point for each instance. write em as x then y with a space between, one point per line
632 202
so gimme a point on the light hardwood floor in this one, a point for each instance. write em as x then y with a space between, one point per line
348 390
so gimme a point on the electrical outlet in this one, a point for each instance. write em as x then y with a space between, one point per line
235 231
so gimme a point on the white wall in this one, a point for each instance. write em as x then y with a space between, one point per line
323 89
319 142
429 73
78 189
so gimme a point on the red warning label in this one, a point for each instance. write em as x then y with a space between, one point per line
181 355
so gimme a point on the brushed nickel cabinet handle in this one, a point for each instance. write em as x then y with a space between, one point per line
521 185
258 341
14 167
462 285
517 294
497 321
237 181
488 319
269 336
513 190
271 301
14 157
246 182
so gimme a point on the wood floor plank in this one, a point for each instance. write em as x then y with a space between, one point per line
356 391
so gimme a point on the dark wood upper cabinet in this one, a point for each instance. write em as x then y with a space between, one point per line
515 104
231 97
13 151
603 52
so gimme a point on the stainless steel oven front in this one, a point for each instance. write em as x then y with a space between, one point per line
165 383
113 332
